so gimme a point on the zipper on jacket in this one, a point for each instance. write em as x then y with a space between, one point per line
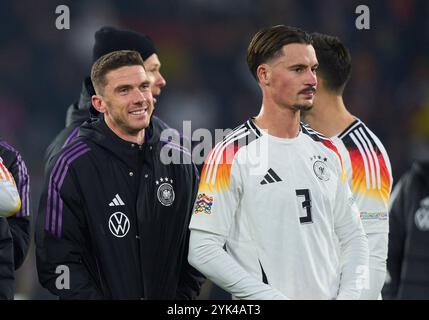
138 183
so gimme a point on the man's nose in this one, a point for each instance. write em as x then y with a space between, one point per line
161 81
311 78
139 96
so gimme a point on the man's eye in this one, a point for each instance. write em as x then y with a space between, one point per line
123 90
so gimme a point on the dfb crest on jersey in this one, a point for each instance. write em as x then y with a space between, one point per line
165 191
421 217
320 167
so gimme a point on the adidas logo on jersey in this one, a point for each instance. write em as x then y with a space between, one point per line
271 177
117 201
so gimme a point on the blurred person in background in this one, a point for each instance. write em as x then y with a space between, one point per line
408 255
112 212
279 225
364 156
109 39
15 224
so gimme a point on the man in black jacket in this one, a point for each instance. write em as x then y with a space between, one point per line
109 39
408 255
114 215
15 229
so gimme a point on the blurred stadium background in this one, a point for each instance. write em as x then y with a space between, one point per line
202 45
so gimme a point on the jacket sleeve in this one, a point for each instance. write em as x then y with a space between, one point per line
7 275
190 279
20 223
61 239
397 228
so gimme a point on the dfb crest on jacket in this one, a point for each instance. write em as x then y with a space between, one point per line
165 191
422 215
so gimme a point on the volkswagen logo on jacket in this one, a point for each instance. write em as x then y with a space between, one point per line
119 224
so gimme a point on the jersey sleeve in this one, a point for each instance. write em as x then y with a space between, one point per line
373 203
219 191
370 177
354 252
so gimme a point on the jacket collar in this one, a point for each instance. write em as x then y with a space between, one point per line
98 132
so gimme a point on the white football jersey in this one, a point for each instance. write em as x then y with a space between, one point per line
10 201
280 203
369 174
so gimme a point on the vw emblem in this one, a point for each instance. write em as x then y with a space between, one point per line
119 224
166 194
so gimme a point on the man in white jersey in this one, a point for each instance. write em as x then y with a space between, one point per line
279 225
364 157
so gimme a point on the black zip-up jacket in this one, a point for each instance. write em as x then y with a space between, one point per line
116 219
15 230
408 255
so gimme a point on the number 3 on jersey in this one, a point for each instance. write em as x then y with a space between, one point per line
306 204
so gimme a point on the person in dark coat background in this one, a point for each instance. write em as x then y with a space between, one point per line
14 229
408 255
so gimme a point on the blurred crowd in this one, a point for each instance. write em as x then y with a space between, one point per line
202 45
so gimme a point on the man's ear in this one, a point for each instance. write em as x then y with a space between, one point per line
98 104
264 74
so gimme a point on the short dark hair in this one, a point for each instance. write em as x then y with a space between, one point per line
335 62
267 44
112 61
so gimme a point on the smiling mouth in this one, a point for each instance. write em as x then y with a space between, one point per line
138 112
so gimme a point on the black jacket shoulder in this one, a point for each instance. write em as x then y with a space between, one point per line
408 257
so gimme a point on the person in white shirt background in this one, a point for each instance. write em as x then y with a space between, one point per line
364 157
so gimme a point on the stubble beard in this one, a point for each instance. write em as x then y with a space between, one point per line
302 108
